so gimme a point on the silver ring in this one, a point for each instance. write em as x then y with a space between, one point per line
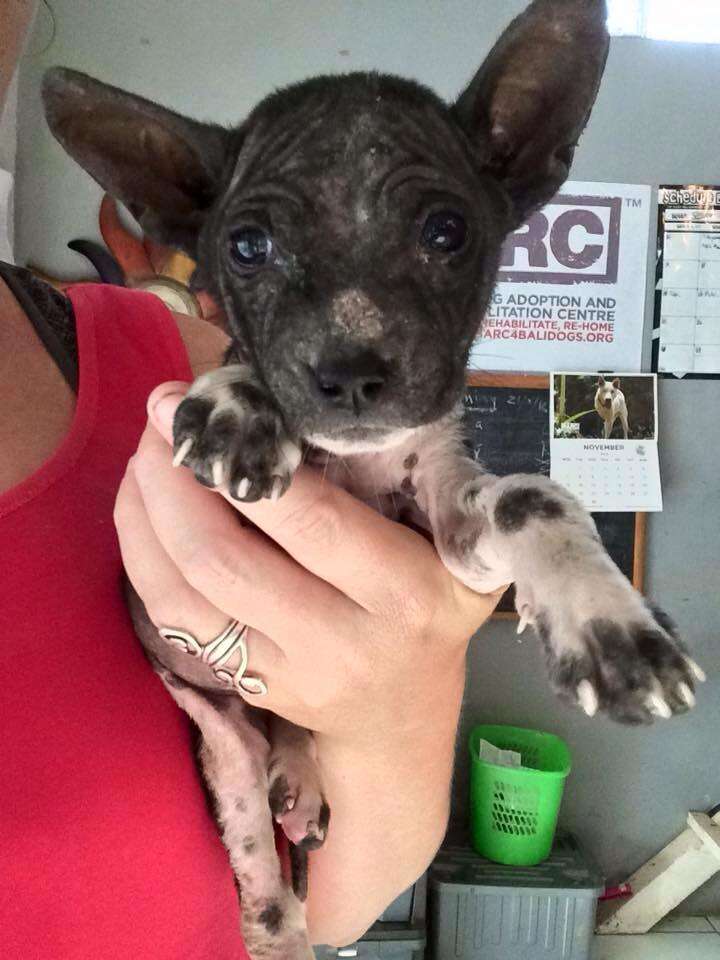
217 652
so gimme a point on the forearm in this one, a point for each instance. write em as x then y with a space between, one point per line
390 804
15 19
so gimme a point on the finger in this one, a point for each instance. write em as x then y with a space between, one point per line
482 604
235 568
328 531
211 312
170 601
167 596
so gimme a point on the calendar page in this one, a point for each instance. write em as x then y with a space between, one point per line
687 306
603 440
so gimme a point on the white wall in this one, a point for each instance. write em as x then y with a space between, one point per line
656 121
8 132
8 143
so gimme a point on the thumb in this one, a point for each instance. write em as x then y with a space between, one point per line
162 404
480 605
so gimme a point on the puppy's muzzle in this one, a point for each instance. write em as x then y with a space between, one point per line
354 380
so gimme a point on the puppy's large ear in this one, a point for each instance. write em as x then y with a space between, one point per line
165 168
528 104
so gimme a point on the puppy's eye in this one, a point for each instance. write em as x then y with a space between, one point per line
251 246
444 232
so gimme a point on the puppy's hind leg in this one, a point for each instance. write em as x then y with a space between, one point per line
297 800
234 758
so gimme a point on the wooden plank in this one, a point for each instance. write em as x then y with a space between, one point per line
706 831
638 577
666 880
523 381
660 886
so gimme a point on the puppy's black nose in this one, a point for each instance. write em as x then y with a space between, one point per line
349 381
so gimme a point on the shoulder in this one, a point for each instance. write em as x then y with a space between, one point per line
205 344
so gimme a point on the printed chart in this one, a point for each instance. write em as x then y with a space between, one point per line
687 321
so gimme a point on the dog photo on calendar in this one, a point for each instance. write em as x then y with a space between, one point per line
609 406
351 228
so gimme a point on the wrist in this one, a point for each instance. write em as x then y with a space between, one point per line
417 718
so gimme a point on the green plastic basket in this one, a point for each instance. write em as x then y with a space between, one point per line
514 810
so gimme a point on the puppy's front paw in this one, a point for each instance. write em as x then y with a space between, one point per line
227 432
627 661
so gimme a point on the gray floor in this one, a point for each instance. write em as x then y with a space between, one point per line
679 938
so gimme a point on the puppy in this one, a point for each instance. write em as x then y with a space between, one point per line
351 227
610 404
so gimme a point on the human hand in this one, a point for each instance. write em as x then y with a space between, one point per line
356 625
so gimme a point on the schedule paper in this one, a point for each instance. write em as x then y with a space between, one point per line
687 306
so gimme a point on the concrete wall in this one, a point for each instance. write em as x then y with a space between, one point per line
8 142
8 128
656 121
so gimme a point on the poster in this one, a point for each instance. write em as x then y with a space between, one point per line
686 335
604 440
572 283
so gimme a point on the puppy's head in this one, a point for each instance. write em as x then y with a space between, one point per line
352 226
606 392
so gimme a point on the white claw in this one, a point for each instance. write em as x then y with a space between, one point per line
686 694
183 450
276 488
696 670
290 455
218 473
525 619
657 705
587 697
242 488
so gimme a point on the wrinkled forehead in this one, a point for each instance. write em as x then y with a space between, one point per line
354 146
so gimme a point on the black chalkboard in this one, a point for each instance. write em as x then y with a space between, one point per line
508 431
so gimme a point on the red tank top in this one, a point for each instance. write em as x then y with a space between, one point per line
107 849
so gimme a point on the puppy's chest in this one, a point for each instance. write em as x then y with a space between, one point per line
386 481
392 481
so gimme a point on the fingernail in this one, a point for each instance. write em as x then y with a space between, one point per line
163 410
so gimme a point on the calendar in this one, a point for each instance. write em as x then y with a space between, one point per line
687 305
603 440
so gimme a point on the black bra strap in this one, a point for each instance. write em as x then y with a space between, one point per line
21 283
